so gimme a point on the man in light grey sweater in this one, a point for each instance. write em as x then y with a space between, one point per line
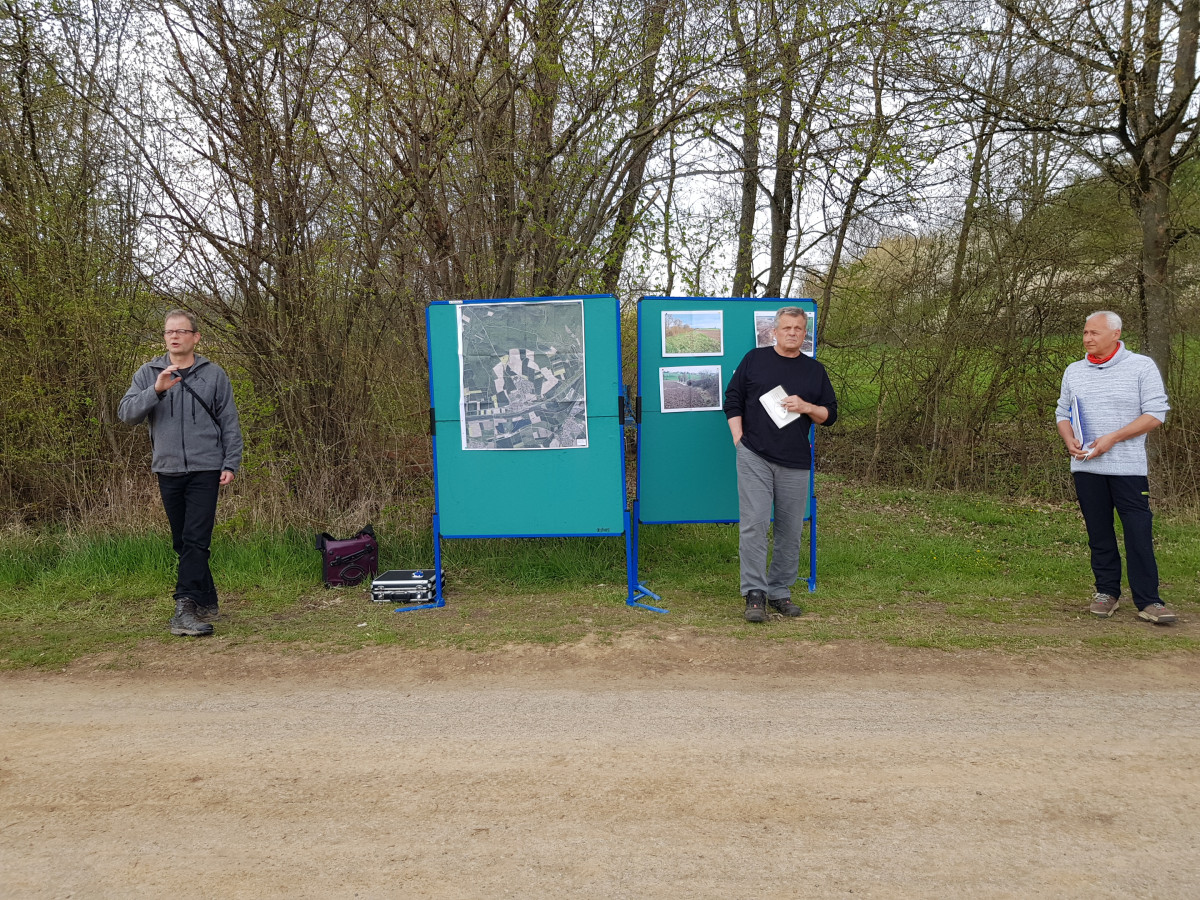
187 401
1110 400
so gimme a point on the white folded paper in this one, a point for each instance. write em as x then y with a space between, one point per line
772 402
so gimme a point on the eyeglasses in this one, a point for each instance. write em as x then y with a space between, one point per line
171 332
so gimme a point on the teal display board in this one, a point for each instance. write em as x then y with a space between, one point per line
517 451
688 349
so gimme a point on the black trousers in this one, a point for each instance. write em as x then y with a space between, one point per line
190 502
1129 495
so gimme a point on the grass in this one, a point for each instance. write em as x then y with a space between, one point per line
692 341
904 567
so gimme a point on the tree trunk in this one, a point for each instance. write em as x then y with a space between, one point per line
743 272
782 199
1153 217
652 27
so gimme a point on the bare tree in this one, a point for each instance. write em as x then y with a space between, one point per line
1137 116
71 208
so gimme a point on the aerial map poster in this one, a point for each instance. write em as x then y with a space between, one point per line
522 384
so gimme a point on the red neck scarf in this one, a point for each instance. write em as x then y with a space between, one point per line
1097 361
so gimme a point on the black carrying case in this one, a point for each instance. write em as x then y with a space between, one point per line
403 586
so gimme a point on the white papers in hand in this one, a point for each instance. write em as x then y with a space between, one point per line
772 402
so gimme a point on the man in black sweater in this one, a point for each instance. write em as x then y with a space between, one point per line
774 458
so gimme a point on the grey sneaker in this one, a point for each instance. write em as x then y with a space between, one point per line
185 623
1103 605
785 606
1157 613
207 613
756 606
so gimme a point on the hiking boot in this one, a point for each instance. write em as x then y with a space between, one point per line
184 622
785 606
207 612
1103 605
1156 613
756 607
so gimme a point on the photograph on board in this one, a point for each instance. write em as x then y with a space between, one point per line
764 330
693 333
690 388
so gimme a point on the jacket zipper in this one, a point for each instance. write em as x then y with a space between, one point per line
182 431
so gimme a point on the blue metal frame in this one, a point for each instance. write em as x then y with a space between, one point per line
811 518
438 599
637 591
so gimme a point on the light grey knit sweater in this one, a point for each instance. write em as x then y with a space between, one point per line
1111 395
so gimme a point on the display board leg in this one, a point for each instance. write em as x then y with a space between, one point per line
637 590
812 542
438 599
422 606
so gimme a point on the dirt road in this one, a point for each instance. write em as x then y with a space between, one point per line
690 768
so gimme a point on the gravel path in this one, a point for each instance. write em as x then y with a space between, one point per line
638 772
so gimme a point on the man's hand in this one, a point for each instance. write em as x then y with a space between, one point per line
1100 446
1143 424
166 379
226 477
735 428
797 404
1067 433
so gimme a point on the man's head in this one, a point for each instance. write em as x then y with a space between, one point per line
791 327
1101 332
181 334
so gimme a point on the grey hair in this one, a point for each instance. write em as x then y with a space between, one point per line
1113 320
182 314
792 311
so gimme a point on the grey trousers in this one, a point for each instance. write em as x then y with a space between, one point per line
761 485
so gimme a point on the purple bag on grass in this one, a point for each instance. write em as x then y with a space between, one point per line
349 561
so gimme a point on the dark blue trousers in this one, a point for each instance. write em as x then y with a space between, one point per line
1129 495
190 502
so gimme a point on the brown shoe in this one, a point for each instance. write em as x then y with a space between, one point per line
1157 613
1103 605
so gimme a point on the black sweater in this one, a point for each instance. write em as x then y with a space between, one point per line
759 372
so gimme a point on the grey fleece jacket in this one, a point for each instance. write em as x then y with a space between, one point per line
184 437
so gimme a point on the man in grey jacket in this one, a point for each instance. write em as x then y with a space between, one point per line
187 402
1110 400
